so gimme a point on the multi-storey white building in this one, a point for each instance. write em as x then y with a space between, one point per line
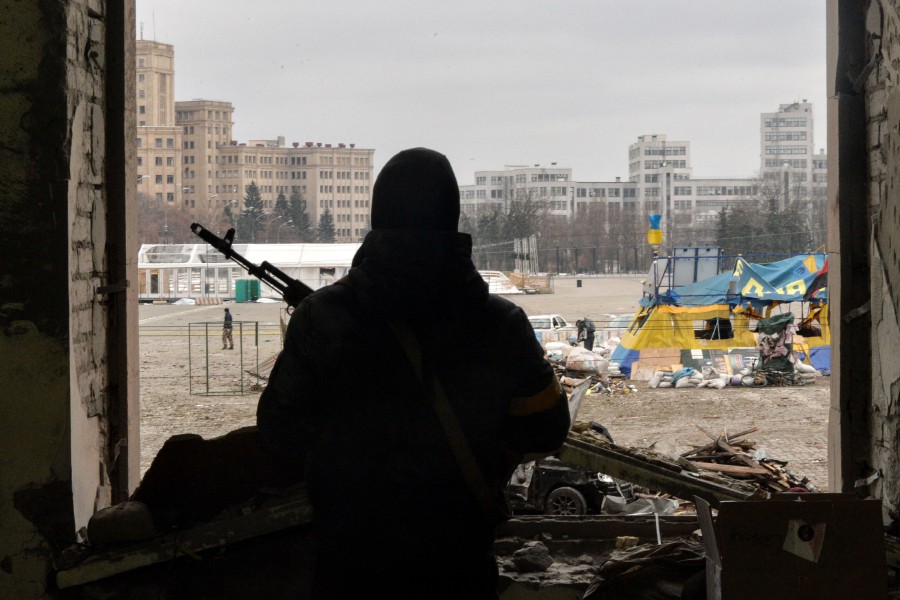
551 186
661 180
788 160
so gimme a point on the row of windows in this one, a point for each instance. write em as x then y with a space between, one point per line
343 189
345 218
665 151
785 136
213 115
157 142
549 177
784 122
341 175
158 178
717 203
796 163
299 189
658 164
210 129
727 190
785 149
343 204
157 161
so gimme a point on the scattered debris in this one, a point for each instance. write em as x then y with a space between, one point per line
734 457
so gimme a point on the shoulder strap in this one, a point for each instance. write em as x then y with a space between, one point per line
462 452
456 438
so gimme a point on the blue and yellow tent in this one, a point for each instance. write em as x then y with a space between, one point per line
720 313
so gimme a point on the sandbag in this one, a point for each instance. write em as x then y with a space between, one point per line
582 360
802 367
558 348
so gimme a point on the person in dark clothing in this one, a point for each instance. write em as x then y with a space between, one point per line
227 327
449 391
585 328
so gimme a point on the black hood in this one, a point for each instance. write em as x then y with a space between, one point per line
416 190
397 272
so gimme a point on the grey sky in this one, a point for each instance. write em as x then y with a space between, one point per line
493 83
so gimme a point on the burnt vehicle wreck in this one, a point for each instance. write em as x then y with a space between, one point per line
552 487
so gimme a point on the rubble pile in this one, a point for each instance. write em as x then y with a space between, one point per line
739 458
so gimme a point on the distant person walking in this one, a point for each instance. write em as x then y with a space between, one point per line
227 340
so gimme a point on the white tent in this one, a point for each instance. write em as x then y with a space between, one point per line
172 271
199 271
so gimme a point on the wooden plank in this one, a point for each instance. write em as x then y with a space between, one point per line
731 469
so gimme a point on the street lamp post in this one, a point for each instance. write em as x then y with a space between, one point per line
278 230
269 224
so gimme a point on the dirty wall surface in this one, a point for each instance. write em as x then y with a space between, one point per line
883 117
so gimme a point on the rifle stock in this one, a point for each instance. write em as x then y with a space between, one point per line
292 290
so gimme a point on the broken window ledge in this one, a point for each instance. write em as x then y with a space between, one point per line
233 526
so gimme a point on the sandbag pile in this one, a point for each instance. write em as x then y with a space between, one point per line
688 377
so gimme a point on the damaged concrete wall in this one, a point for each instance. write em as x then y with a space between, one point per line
54 451
883 125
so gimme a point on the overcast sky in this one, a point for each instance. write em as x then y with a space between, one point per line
493 82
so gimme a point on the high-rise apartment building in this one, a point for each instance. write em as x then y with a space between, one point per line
657 166
787 155
206 125
158 138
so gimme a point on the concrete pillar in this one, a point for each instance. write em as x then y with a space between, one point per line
69 405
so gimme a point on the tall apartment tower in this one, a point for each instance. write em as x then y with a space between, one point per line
158 138
657 166
788 158
205 125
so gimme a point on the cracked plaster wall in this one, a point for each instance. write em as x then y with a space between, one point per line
883 124
52 240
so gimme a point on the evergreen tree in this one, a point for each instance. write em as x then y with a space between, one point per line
248 222
466 225
297 213
281 208
325 232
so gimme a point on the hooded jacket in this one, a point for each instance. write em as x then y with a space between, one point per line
381 474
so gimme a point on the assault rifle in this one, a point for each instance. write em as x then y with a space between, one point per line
292 290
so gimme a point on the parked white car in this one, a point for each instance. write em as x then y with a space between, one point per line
552 328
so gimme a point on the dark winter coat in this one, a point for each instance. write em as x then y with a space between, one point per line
384 483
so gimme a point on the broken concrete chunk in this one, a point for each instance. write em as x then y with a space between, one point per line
532 557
